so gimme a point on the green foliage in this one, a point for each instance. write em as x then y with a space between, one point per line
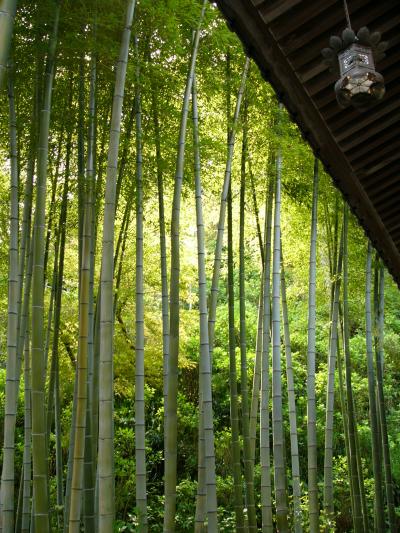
164 29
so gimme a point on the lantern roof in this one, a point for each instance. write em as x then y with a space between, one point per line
361 151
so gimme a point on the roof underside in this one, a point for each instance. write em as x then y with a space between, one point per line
361 151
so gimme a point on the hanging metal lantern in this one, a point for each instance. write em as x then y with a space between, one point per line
359 84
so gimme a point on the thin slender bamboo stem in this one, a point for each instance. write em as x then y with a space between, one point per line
106 406
140 430
40 475
212 306
330 395
234 410
277 414
248 463
163 251
27 459
7 15
170 461
265 460
294 445
381 399
358 520
90 442
313 505
206 410
12 370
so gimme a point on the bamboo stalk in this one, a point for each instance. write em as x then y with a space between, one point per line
313 505
234 410
294 445
248 463
140 444
277 414
7 15
376 462
40 475
170 461
355 482
12 370
265 461
330 394
106 487
387 467
206 409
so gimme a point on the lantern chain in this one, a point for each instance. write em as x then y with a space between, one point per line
346 10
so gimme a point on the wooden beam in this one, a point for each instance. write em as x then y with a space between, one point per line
375 142
391 178
269 14
301 15
369 181
367 119
360 138
375 155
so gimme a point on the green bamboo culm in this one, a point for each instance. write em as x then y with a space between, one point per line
206 409
90 444
213 298
265 459
248 463
381 397
27 461
53 403
277 412
170 460
354 475
7 15
106 503
255 395
163 248
80 473
12 370
140 443
330 394
39 459
294 445
376 459
313 505
234 409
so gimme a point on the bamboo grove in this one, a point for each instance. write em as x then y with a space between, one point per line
196 334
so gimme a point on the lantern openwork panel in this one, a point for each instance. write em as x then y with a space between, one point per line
359 84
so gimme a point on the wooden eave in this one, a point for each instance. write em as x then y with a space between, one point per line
361 151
